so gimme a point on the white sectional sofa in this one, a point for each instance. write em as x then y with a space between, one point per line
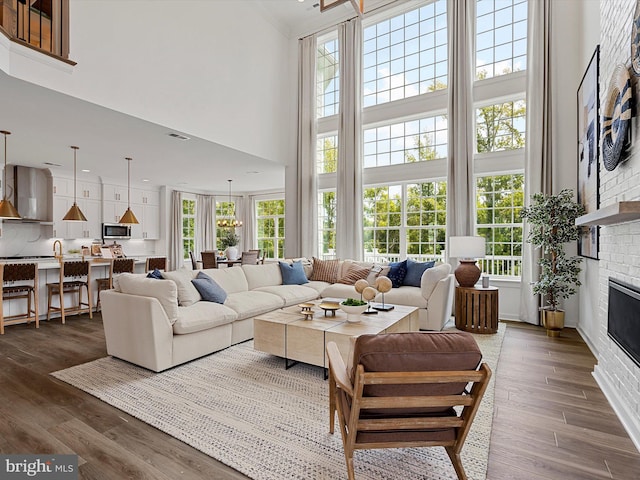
158 324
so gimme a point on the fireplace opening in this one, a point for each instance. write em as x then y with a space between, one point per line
623 325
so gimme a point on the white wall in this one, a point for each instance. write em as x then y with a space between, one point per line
213 69
616 373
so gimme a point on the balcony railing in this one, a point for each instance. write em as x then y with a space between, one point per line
39 24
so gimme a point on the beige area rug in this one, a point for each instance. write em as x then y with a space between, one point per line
244 409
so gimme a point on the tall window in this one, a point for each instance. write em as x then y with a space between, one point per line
224 210
406 142
406 55
270 227
327 223
327 153
501 37
328 78
499 200
500 127
426 219
382 222
188 226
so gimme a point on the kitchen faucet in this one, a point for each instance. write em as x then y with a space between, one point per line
56 254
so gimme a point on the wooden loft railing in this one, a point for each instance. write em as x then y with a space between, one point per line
42 25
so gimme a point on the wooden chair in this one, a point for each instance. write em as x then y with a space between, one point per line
118 265
21 273
249 258
194 262
401 390
156 262
259 255
209 259
80 274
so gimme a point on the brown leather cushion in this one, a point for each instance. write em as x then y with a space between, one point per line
413 352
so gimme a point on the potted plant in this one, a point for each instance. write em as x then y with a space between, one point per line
552 225
229 241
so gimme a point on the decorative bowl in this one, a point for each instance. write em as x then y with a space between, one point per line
353 312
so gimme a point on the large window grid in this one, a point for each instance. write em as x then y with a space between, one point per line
501 37
406 55
270 221
327 223
406 142
188 227
328 78
327 153
499 201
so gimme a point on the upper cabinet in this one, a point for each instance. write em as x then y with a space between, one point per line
88 196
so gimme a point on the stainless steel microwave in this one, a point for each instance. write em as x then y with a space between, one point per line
115 231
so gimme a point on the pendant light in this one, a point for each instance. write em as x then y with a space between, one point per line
129 217
7 210
230 222
74 214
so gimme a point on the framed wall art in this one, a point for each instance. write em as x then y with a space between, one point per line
588 152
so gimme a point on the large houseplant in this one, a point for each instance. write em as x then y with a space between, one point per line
552 225
229 241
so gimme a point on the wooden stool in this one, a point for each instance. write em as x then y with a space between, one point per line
79 271
118 265
19 272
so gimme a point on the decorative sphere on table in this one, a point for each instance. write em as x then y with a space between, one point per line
383 284
360 285
369 293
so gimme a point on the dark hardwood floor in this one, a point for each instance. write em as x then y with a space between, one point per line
551 420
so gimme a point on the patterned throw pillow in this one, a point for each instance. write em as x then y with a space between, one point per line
354 274
325 270
397 272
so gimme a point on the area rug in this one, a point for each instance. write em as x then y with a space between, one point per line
244 409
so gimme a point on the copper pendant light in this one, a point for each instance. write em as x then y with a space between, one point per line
74 214
129 217
7 210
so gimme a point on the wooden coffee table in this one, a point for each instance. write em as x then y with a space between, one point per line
286 334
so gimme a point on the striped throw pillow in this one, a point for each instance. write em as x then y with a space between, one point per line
325 270
354 274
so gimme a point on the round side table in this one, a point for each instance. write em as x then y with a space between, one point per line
477 309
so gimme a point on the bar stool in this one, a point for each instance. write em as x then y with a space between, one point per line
79 271
156 262
19 272
118 265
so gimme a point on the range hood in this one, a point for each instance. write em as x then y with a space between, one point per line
30 190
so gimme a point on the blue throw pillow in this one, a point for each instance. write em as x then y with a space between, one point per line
293 273
415 271
397 272
157 274
209 289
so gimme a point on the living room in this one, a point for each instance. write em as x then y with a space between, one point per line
137 88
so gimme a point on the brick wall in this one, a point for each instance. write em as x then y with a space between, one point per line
616 373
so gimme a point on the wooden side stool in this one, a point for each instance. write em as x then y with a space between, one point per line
19 272
79 272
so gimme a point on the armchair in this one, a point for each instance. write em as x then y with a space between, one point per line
400 390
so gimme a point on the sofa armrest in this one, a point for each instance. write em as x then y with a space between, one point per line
439 305
137 330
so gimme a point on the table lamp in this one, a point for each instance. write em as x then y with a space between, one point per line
467 250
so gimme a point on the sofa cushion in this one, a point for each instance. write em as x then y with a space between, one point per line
291 294
340 290
292 273
353 274
250 304
317 286
187 293
262 275
325 270
231 279
415 271
397 272
431 278
202 316
209 289
410 296
165 291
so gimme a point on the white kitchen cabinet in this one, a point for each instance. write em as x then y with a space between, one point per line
149 226
141 196
112 210
115 193
90 229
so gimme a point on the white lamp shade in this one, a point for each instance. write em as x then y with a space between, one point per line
467 247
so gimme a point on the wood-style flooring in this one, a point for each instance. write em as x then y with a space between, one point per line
551 421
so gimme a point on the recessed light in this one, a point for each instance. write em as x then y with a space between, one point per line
85 170
145 179
300 1
252 172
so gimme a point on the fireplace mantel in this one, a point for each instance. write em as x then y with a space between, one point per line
619 212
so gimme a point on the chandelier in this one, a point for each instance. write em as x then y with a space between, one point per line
232 221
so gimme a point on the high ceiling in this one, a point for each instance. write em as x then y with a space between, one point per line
45 123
